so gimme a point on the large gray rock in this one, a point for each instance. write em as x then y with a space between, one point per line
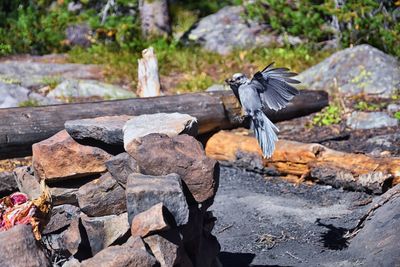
105 231
393 108
144 191
360 69
8 184
12 95
107 129
121 166
170 124
377 243
36 74
370 120
18 247
89 88
103 196
227 30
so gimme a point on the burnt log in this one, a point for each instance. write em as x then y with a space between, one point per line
302 162
22 127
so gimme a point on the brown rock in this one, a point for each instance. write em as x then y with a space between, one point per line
166 248
121 166
61 157
158 154
135 242
71 238
103 196
121 256
105 231
18 247
150 221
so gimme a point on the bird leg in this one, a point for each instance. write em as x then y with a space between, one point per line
240 118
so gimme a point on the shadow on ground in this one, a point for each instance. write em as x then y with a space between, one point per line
240 260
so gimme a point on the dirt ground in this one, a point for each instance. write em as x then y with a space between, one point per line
265 221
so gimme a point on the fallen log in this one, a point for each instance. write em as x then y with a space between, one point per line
22 127
307 161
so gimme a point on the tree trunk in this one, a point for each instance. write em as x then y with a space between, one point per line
154 18
148 80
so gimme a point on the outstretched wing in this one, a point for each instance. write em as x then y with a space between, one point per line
273 86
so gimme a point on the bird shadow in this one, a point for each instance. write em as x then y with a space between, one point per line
334 238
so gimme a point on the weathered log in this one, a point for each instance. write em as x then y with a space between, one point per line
22 127
314 161
148 79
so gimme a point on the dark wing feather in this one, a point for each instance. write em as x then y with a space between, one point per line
235 91
274 88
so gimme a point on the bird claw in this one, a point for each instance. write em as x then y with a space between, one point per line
239 119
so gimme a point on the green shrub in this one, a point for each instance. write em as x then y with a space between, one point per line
367 106
328 116
397 115
370 21
29 103
300 18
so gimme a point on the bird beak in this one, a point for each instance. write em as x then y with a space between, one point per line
228 81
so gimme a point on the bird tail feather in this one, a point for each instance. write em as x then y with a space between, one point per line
265 132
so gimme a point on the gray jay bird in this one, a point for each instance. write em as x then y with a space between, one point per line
268 89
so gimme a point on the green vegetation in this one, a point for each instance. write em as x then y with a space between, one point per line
51 81
328 116
369 21
38 27
5 49
29 103
191 68
368 106
397 115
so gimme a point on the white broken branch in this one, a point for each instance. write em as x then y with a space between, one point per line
148 79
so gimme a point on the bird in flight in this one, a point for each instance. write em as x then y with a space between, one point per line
268 89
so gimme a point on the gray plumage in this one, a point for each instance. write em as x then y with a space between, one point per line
268 89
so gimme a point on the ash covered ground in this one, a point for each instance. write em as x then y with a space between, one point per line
265 221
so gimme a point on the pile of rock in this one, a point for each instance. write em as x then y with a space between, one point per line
146 206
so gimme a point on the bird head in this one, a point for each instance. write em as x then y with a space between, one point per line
237 80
